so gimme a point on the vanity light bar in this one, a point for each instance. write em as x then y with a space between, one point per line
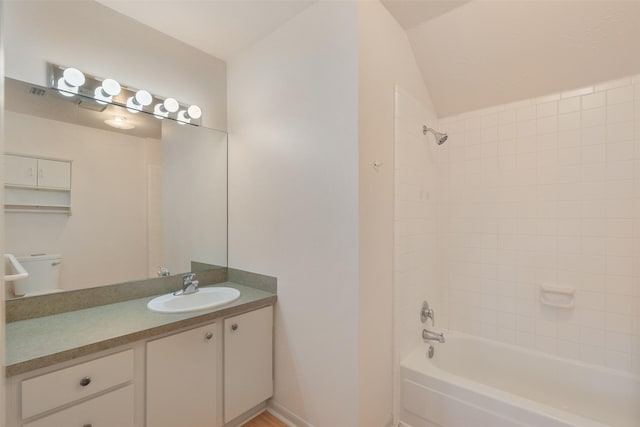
71 82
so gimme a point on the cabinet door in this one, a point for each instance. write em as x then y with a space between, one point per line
20 170
109 410
248 364
181 379
54 174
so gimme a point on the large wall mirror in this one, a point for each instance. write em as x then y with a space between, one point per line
95 195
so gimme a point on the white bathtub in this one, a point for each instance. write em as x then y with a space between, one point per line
473 382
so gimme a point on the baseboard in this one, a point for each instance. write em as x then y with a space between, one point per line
285 415
245 417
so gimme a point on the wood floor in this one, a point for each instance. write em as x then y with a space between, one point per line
265 419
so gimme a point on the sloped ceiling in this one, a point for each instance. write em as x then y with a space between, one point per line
485 53
472 53
217 27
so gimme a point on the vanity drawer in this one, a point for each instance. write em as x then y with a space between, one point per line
109 410
58 388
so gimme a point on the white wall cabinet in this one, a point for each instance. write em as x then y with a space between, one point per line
248 361
20 170
182 380
37 183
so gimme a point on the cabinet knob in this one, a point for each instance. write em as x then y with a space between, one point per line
85 382
208 335
234 327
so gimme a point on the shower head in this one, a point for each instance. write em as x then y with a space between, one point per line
440 137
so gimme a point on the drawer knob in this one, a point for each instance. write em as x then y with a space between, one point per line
234 327
85 382
208 335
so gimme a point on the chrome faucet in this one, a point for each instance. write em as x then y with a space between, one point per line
427 313
189 285
432 336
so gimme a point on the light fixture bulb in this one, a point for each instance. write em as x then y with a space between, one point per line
194 112
143 98
107 91
71 80
137 102
65 89
170 105
162 110
73 77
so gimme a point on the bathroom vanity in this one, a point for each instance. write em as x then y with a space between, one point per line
123 365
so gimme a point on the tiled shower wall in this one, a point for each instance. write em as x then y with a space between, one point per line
545 191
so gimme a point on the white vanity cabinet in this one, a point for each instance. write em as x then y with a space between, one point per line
248 361
182 379
206 376
97 393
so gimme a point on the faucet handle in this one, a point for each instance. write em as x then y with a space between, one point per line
188 278
427 313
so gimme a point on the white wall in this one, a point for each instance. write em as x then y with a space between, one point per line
293 205
2 375
547 191
385 59
108 199
100 41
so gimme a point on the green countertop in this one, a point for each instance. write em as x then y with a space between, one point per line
45 341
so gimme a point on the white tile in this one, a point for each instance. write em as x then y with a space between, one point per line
547 99
527 112
618 341
594 117
547 125
620 265
594 100
489 134
619 304
620 112
507 131
569 105
507 116
591 353
618 360
613 84
620 151
620 95
577 92
547 109
593 153
569 121
526 128
594 135
569 138
569 349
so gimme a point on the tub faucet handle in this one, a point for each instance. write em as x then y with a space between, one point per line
427 313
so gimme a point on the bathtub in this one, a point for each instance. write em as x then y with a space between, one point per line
474 382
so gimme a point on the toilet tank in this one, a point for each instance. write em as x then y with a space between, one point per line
44 274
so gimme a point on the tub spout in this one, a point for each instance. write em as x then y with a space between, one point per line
432 336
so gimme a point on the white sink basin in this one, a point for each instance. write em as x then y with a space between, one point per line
204 299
